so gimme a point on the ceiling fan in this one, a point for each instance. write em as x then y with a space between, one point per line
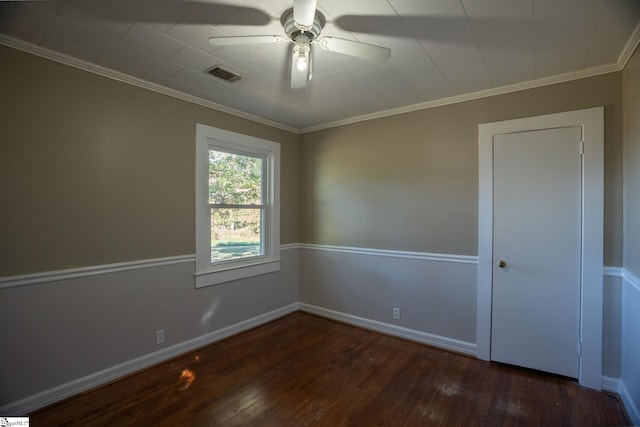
303 25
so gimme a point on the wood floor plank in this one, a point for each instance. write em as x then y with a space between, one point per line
303 370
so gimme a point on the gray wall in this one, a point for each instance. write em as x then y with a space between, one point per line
410 182
437 298
631 291
68 330
94 172
632 165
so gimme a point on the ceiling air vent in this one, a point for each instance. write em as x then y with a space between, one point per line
223 74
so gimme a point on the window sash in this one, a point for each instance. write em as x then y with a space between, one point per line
227 250
236 206
264 169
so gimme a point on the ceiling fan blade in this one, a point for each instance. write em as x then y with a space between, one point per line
165 11
436 28
240 40
304 11
353 48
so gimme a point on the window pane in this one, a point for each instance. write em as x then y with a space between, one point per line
234 179
235 233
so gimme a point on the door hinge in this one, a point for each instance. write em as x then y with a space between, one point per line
579 349
581 148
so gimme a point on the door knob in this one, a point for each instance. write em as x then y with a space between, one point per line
501 264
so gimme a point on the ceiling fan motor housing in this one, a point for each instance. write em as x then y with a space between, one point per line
293 30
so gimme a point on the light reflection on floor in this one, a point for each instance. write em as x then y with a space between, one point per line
187 376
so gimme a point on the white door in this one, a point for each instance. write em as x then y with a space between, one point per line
537 232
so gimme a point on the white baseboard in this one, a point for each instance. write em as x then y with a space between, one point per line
617 386
610 384
631 280
632 409
55 394
398 331
631 284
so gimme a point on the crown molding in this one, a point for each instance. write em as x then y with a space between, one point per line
134 81
624 57
545 81
629 48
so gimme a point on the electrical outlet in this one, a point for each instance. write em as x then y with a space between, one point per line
159 336
396 313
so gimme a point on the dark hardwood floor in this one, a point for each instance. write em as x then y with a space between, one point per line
302 370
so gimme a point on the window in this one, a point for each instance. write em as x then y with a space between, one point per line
237 206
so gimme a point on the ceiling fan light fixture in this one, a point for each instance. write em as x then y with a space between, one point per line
302 24
301 63
301 51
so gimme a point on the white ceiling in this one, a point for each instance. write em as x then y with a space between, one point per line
439 48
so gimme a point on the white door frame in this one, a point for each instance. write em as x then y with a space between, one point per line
592 122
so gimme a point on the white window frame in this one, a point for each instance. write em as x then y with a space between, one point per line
208 273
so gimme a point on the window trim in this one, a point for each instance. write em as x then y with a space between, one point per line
206 273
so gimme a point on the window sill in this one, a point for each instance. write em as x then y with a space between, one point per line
210 278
